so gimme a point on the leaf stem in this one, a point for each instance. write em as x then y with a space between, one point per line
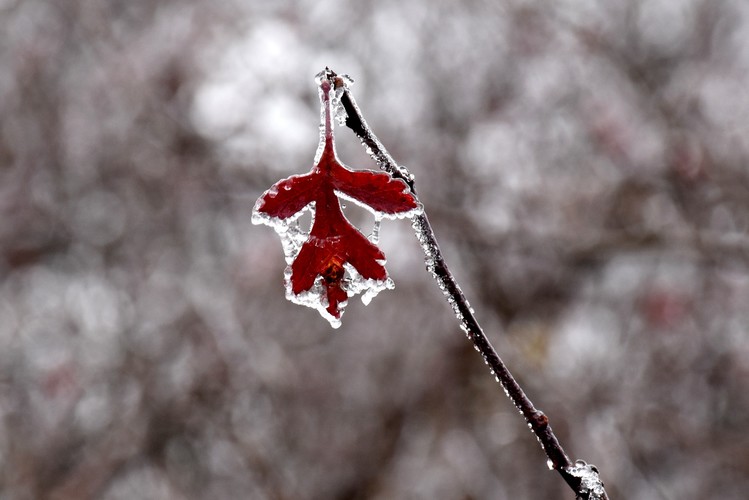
582 478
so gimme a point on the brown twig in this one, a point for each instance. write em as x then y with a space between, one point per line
581 477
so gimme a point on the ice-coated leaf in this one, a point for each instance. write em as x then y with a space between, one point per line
376 190
287 197
334 261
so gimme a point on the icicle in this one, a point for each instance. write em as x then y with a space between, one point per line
375 236
342 82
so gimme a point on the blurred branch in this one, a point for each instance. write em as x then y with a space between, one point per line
581 477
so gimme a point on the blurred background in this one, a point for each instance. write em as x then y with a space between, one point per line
585 167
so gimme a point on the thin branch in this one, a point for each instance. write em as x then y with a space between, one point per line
581 477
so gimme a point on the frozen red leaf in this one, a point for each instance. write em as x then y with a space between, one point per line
375 189
289 196
335 260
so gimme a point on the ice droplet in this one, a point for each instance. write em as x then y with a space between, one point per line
339 112
549 464
375 236
321 141
590 482
355 284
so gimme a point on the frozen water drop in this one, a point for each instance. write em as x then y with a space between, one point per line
375 236
549 464
341 115
369 288
339 111
590 482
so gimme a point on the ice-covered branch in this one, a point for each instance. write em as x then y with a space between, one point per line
581 477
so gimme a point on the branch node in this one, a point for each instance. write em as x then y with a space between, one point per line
539 420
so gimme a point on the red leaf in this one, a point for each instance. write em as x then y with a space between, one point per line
375 189
333 242
289 196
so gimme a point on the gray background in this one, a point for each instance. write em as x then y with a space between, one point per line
584 164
